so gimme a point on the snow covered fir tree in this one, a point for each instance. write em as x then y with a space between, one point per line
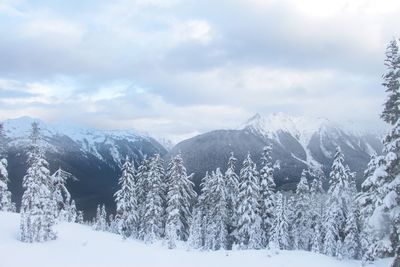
5 195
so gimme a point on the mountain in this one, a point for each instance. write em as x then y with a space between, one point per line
93 156
298 143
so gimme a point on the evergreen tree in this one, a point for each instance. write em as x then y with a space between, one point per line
38 205
279 237
267 188
248 232
391 81
352 242
142 189
66 209
370 200
154 203
100 223
316 210
232 190
79 218
127 210
302 217
216 232
5 194
196 232
179 198
337 205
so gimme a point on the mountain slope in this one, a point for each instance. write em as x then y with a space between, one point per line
79 245
93 156
298 143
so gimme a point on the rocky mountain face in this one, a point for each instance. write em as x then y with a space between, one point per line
298 143
93 156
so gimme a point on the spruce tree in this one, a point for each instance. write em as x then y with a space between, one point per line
391 81
216 229
179 198
142 189
352 242
316 211
267 188
154 203
196 232
337 205
38 205
5 194
100 223
64 204
248 231
279 237
126 200
232 190
302 217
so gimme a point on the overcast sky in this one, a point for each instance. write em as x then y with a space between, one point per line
175 68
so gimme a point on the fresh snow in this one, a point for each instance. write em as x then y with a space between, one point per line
79 245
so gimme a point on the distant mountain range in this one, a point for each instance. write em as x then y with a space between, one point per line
95 156
298 143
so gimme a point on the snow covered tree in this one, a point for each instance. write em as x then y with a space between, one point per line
216 229
352 242
79 217
142 189
337 205
125 198
373 216
391 81
267 188
196 231
179 198
302 217
38 205
100 223
66 209
279 237
316 211
248 231
152 228
232 190
5 194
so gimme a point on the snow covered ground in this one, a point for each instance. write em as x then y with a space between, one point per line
79 245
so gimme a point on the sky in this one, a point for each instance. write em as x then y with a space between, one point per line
176 68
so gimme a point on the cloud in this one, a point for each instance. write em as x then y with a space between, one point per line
177 68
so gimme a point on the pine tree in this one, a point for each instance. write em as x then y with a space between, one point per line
302 216
316 210
100 223
65 206
196 232
352 242
79 218
232 190
154 203
125 198
391 81
216 229
248 232
142 189
337 205
179 197
5 194
38 205
279 237
267 188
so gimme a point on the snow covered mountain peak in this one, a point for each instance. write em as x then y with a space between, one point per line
297 126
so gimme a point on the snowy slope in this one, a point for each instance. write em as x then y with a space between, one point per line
79 245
